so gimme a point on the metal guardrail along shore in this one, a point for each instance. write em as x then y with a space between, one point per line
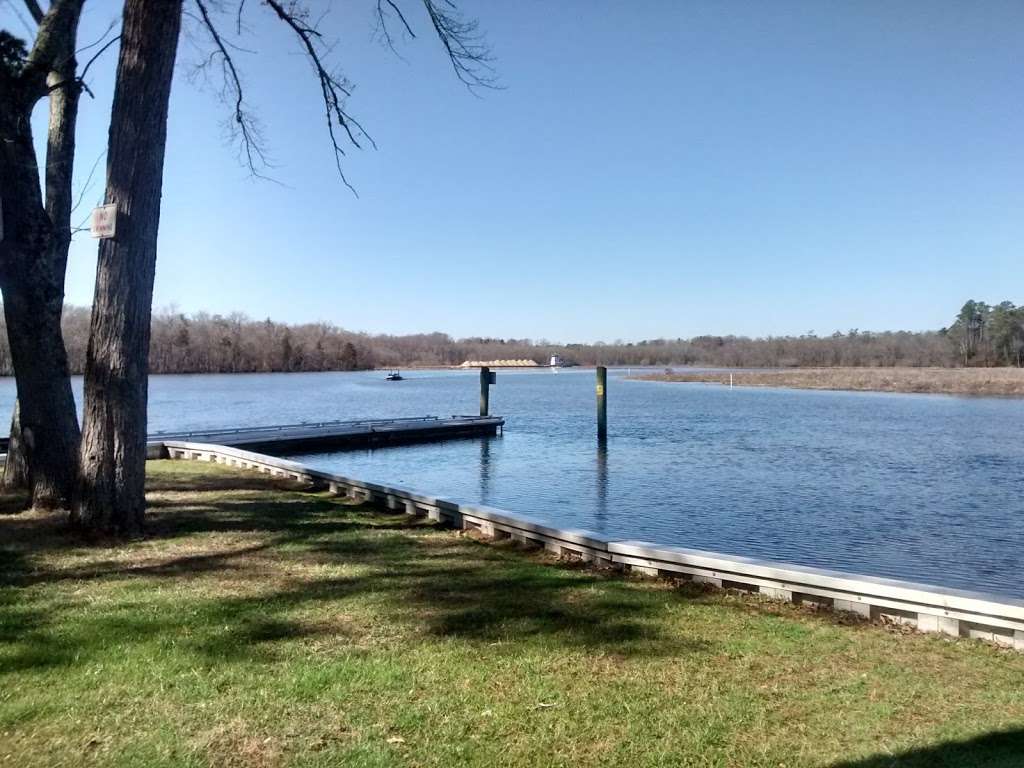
929 608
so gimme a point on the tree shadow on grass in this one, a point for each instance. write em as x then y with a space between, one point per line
13 502
1002 749
196 477
441 587
425 583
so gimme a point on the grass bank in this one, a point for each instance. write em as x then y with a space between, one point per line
261 625
950 381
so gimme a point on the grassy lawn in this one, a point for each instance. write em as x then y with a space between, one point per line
260 625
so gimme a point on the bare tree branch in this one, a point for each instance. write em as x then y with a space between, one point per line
83 226
35 10
81 76
79 80
382 23
244 123
466 47
88 182
96 55
334 89
29 25
100 39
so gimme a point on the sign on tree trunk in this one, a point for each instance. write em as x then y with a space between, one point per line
104 221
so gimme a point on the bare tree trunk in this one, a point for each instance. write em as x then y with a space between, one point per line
65 92
48 424
16 473
33 254
112 491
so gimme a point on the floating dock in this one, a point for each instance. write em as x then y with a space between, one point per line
325 435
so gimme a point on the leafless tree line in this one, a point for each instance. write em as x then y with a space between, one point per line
235 343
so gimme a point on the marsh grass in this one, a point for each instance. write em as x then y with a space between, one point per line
260 624
952 381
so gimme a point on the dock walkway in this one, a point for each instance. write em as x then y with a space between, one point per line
324 435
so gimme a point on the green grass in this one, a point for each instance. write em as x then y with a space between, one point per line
260 625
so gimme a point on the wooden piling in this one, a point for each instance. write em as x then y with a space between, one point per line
485 390
602 403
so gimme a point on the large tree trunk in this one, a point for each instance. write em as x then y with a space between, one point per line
112 492
33 254
48 428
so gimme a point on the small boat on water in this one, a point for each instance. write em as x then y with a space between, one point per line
394 376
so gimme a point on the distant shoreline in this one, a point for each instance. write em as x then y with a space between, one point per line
946 381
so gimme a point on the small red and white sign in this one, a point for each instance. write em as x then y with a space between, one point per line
104 221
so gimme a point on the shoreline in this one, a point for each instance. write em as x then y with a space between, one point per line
931 608
1004 382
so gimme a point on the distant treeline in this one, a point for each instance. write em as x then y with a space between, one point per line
204 343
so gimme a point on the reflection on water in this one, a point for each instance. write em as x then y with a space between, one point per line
485 468
601 484
910 486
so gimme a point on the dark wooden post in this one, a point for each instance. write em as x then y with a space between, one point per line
485 390
602 403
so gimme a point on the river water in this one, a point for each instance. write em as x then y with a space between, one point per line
920 487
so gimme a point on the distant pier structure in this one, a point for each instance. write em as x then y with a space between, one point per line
555 361
524 363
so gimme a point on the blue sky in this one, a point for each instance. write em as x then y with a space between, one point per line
649 169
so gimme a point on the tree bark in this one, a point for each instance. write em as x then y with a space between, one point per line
112 490
16 474
33 255
32 302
